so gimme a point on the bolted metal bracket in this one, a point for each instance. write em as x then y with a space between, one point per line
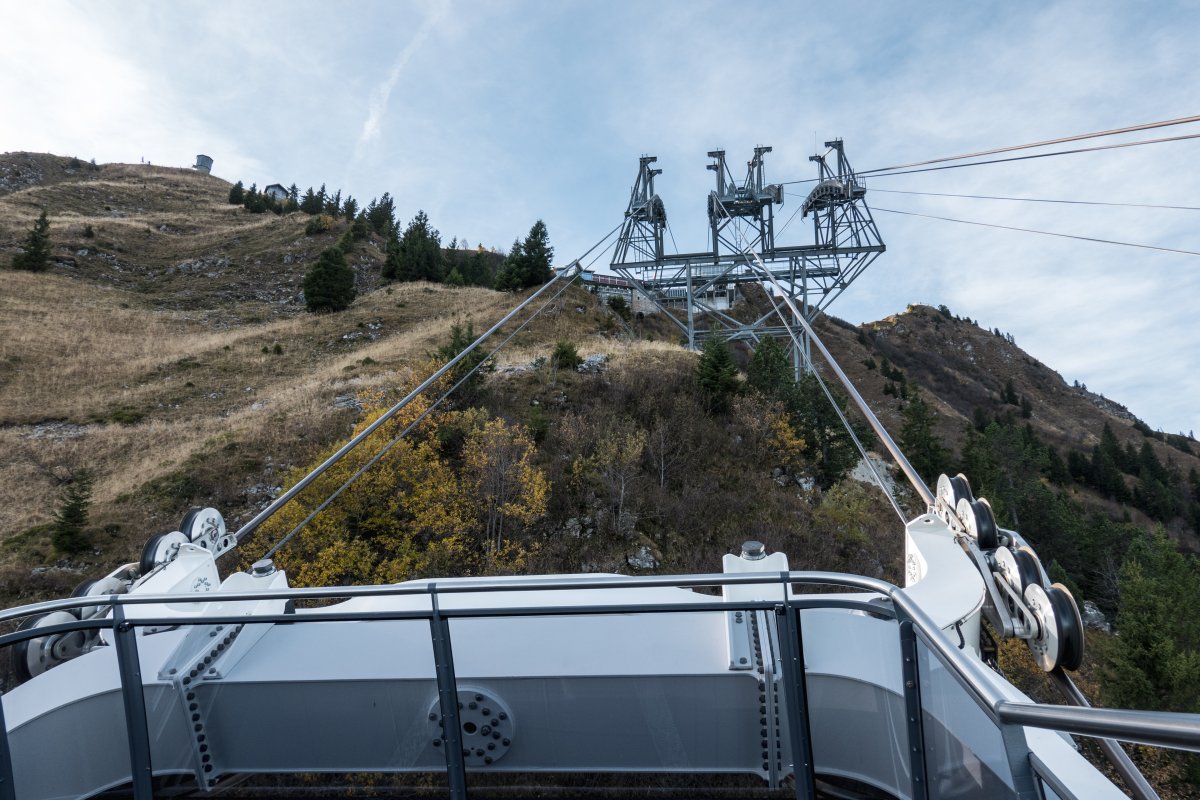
486 726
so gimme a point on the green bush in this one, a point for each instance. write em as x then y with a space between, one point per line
565 356
329 285
619 306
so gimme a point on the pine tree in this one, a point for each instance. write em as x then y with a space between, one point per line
460 339
716 374
918 440
350 209
420 253
477 269
508 276
36 256
311 204
538 255
391 264
826 441
329 285
70 521
333 204
358 228
769 371
237 194
528 263
1010 393
381 214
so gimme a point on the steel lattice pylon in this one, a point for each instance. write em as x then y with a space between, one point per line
742 220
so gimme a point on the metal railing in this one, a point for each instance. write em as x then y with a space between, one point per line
1163 729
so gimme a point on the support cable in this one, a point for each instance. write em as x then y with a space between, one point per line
287 496
1031 199
885 172
1043 233
746 251
1060 140
1039 155
410 427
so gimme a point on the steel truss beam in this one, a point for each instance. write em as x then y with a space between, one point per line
845 241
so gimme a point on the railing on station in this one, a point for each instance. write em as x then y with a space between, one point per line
951 731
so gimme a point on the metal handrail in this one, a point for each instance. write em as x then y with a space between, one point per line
1158 728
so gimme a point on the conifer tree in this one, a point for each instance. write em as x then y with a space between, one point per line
329 285
528 263
36 255
358 228
381 214
826 440
311 204
333 204
70 521
508 276
769 371
918 440
477 270
237 194
716 374
420 252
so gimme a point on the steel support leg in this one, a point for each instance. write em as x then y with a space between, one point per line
796 696
912 711
443 662
130 668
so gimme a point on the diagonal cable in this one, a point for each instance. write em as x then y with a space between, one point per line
1043 233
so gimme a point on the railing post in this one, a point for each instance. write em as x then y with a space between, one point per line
8 788
796 696
130 668
443 663
912 710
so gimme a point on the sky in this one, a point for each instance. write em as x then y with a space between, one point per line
491 115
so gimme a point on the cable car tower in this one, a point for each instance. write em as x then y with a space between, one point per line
741 218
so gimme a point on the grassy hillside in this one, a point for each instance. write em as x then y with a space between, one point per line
167 351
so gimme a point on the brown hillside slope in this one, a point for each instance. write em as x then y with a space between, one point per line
961 367
168 235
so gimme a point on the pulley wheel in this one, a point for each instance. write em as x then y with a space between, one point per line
1027 568
32 657
1070 626
1016 568
97 588
977 518
160 549
1045 644
204 527
952 489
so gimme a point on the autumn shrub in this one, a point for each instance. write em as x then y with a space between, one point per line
321 223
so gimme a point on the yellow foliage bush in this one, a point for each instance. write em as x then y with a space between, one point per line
413 513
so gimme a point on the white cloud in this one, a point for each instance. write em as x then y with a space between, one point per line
378 105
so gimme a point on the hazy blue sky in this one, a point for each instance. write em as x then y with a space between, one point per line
489 115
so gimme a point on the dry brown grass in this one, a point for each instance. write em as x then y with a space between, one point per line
179 386
73 353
